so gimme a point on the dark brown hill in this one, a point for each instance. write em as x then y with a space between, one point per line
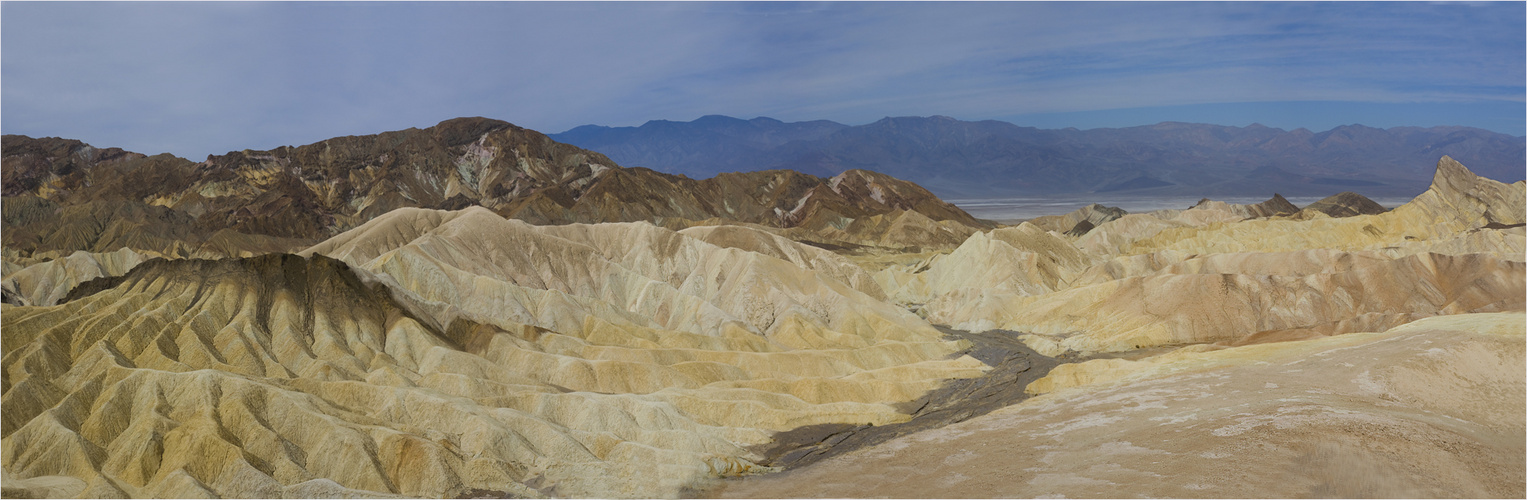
64 195
1346 204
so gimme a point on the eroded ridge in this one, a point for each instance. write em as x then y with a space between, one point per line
443 353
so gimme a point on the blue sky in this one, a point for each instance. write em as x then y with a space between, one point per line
195 78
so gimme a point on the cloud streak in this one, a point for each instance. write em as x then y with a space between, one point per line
205 78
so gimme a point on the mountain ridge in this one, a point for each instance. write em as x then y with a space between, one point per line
65 195
989 157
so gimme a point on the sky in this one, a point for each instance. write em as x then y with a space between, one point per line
200 78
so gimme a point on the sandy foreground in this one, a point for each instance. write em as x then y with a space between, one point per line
1430 409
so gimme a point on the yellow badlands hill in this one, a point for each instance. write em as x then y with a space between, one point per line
1203 275
456 352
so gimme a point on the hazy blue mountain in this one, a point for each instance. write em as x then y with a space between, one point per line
702 148
993 158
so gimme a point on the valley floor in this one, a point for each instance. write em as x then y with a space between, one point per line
1430 409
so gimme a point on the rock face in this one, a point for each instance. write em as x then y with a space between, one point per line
64 196
442 353
1094 215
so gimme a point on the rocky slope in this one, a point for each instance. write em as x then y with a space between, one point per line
447 353
1344 204
63 196
1209 274
1433 409
991 158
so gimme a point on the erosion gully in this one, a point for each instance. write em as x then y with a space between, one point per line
1014 366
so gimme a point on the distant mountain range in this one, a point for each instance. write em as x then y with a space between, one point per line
955 158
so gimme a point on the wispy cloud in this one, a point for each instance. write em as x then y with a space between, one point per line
199 78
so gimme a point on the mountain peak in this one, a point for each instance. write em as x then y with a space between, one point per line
1452 177
711 119
465 130
1457 188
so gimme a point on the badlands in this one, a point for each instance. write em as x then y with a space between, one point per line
517 317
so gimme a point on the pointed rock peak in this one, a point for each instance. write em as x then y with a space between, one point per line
1346 204
1452 175
1457 186
1277 205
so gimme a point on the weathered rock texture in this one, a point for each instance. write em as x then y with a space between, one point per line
1430 409
1345 204
1081 220
448 353
1233 274
48 282
63 196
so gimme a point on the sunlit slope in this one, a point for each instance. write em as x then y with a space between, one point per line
759 241
1431 409
1457 202
536 365
1206 275
457 351
47 283
1168 308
